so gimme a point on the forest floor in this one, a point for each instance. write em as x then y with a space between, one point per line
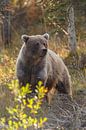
63 112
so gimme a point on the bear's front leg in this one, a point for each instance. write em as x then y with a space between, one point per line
51 94
42 76
22 78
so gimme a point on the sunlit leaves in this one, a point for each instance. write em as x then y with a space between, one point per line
41 90
41 121
18 115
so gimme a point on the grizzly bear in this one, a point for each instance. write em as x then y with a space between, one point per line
36 62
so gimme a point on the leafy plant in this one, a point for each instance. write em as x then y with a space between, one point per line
25 112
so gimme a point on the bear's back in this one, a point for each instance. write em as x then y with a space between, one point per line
55 60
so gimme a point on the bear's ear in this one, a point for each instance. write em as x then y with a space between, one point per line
46 36
24 38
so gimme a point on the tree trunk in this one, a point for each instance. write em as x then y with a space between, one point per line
6 27
71 30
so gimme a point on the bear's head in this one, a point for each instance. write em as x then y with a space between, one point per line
35 46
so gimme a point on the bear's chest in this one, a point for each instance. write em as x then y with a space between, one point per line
31 73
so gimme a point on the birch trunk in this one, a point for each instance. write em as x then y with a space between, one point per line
71 30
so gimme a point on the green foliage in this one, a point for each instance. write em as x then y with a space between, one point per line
55 12
25 112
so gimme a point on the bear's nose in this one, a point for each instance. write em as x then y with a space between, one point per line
44 50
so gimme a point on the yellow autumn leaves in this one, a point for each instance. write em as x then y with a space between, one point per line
27 111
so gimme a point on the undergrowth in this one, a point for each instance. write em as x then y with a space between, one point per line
25 112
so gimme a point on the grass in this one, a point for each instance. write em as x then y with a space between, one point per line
7 72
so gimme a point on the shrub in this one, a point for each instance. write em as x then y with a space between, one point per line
26 112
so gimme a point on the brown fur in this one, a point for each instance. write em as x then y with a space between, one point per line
36 62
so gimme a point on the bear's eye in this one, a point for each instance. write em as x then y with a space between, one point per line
37 44
45 44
